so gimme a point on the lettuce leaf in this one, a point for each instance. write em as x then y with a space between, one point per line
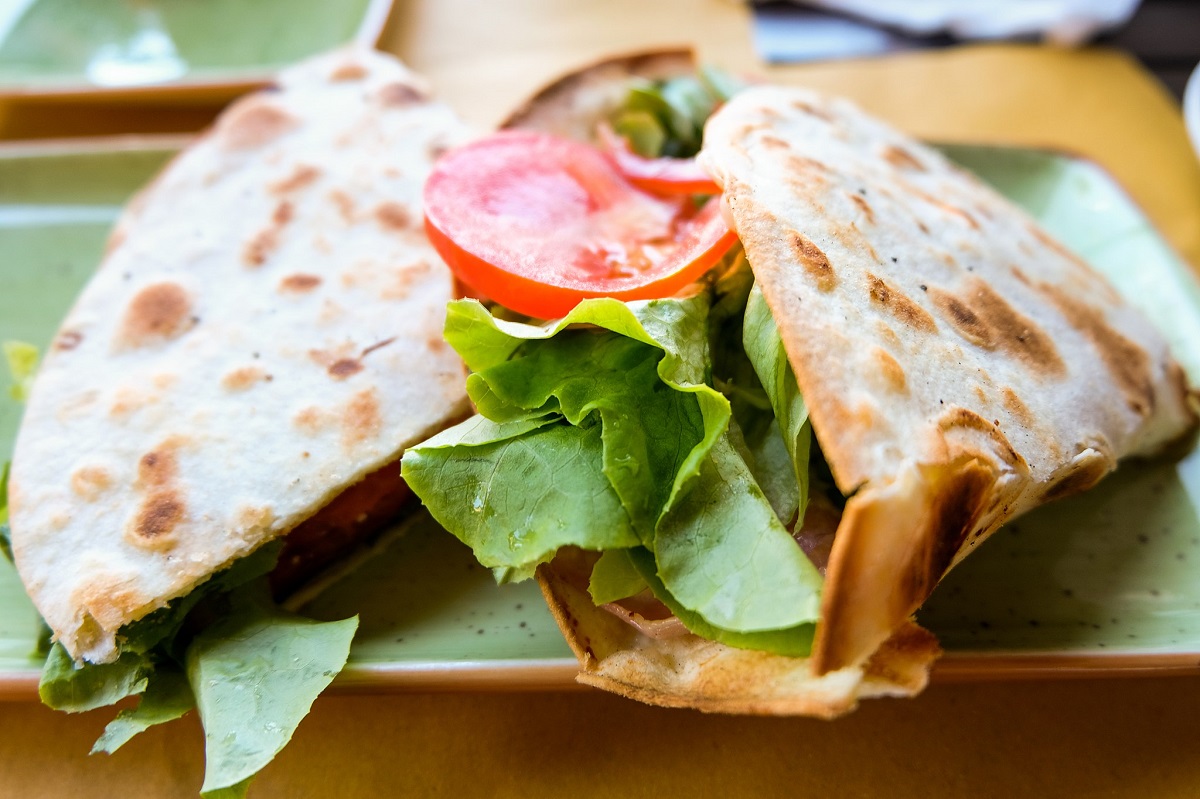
666 118
166 698
795 641
764 348
515 492
74 689
606 423
750 575
255 676
614 576
163 625
5 533
22 361
269 664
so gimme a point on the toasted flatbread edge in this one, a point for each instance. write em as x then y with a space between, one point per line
692 672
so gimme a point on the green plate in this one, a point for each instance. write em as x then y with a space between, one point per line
1103 582
80 46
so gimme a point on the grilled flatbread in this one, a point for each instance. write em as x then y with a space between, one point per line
959 365
264 331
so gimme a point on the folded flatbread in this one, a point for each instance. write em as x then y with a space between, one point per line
264 332
959 366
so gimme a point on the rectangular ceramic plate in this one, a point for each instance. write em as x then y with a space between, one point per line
169 48
1102 583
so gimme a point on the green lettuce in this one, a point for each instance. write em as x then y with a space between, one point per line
165 698
255 675
253 672
5 533
614 577
666 118
764 349
22 361
603 430
75 689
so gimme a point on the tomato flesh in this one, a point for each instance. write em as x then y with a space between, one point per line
656 175
539 223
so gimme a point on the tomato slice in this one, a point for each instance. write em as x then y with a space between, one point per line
656 175
539 223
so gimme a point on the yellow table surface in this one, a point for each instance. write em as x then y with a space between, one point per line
1131 737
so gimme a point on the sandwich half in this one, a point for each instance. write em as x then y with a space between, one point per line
736 494
219 419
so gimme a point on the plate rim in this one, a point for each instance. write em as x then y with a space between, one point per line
556 674
369 33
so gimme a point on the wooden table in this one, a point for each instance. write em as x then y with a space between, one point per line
1132 737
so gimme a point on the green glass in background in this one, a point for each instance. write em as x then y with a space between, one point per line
112 43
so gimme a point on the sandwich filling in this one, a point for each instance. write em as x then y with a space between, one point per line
667 435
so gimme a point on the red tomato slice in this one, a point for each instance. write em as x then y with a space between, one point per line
657 175
539 223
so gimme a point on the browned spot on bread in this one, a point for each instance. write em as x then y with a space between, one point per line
128 400
393 216
435 344
344 203
800 164
980 395
68 340
301 176
1014 405
814 261
863 206
891 370
1077 477
157 468
1128 363
243 378
348 70
893 661
283 213
158 312
772 142
159 515
985 319
811 110
343 368
327 358
962 318
259 247
299 283
249 518
398 94
1020 276
89 482
253 122
899 304
361 420
1015 332
966 419
887 334
958 504
310 420
901 158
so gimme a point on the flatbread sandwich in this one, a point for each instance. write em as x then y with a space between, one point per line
220 416
784 387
